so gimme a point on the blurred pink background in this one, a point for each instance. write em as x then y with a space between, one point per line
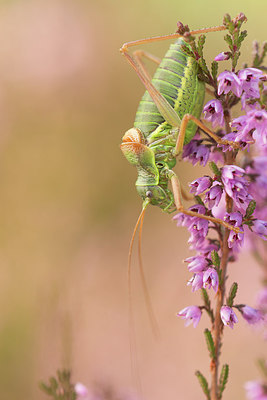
68 205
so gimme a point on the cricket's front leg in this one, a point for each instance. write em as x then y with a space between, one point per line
176 187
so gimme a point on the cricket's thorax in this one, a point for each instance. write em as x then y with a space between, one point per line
153 173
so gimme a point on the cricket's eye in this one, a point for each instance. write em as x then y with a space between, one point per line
149 194
160 165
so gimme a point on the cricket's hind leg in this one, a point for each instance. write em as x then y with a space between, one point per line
136 62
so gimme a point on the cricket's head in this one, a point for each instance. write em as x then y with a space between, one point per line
157 196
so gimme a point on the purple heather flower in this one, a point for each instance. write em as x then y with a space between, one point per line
198 227
222 56
251 315
211 279
228 316
196 263
249 79
228 81
247 104
232 137
190 314
232 172
256 390
216 156
199 231
213 196
235 239
257 120
260 228
196 152
251 127
236 185
241 134
213 112
200 185
207 247
196 281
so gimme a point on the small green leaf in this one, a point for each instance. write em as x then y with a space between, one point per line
263 367
203 65
46 389
201 42
210 343
236 56
53 383
203 383
223 379
214 70
264 51
215 259
205 297
187 51
214 168
250 208
226 19
231 27
229 41
242 36
232 294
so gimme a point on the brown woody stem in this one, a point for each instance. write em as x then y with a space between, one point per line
217 328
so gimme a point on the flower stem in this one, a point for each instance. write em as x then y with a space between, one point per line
217 328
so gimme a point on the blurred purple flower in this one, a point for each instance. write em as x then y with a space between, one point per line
228 81
251 315
228 316
191 314
260 228
82 392
213 112
262 300
256 390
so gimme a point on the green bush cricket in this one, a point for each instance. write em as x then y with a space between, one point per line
166 119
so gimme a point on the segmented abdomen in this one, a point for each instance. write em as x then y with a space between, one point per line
176 79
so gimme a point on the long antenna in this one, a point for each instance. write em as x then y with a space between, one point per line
132 334
151 314
133 347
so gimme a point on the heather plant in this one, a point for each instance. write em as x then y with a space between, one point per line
235 191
